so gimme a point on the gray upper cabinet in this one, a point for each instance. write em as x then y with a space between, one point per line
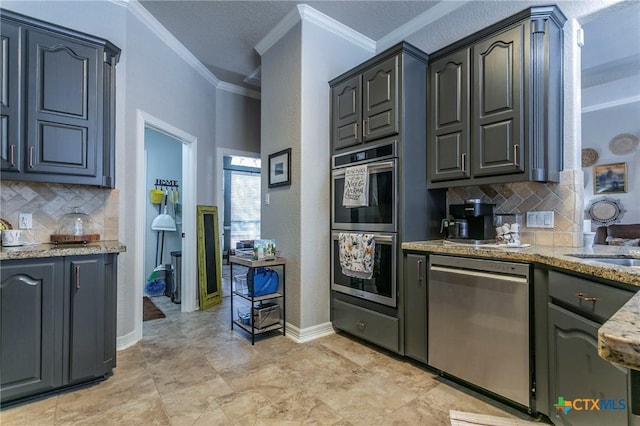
449 117
346 101
496 103
497 107
59 115
365 105
10 88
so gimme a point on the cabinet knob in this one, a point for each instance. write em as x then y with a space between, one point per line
361 324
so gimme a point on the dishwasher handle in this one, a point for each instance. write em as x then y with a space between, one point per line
480 274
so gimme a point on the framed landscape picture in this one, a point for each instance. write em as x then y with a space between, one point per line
610 178
280 168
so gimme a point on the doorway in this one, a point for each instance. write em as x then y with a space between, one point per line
163 214
187 197
241 180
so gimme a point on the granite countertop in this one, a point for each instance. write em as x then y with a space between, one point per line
619 337
53 250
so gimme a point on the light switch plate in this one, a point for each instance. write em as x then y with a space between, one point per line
542 219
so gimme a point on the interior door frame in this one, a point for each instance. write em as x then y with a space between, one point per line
189 173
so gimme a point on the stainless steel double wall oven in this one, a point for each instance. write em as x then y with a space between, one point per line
380 218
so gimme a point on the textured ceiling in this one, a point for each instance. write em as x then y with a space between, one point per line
223 34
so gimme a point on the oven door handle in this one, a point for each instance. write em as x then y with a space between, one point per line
377 237
372 167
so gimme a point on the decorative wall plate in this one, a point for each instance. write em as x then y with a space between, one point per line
605 210
589 157
623 144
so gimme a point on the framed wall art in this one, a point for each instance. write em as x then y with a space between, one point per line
610 178
280 168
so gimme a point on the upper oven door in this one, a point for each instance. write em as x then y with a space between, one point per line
381 213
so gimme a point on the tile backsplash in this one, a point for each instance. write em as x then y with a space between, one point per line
48 202
562 198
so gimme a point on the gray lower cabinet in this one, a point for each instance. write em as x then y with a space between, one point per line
58 323
31 311
57 117
495 102
576 371
415 326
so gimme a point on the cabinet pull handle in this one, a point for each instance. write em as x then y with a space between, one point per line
77 268
355 131
585 298
361 324
419 271
31 157
364 129
463 159
11 150
516 147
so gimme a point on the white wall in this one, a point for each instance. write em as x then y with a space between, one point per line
237 122
153 78
295 113
598 128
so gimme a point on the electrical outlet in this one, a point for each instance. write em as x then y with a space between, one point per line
544 219
26 221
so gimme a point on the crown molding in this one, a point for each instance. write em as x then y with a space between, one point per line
174 44
304 12
312 15
611 104
427 17
238 90
277 32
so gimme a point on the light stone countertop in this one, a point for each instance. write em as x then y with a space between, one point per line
53 250
619 337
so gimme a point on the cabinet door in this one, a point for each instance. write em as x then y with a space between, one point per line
380 99
10 98
84 276
31 304
346 113
449 117
415 327
63 112
577 372
498 132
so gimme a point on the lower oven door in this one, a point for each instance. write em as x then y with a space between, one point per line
381 287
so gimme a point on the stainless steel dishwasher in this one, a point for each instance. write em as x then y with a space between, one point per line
479 324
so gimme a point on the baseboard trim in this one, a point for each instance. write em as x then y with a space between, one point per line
310 333
126 341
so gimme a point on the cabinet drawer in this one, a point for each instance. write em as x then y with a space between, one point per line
369 325
566 288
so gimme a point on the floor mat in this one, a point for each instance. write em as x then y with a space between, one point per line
149 310
460 418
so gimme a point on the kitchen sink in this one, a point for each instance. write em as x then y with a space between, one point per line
621 261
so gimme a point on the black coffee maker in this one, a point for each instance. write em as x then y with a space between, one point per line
479 218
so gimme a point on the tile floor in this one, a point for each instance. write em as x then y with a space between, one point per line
191 369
